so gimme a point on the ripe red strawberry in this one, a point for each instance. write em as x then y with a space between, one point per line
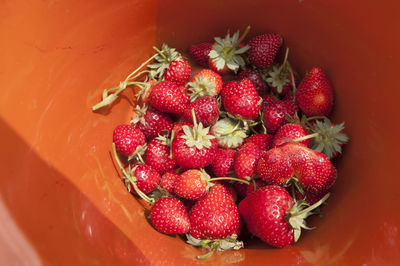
206 110
222 165
169 216
179 124
167 97
200 53
262 141
268 100
241 100
128 139
191 184
158 155
204 83
274 115
168 181
255 77
230 133
275 167
178 72
171 66
290 132
315 94
313 169
215 216
151 122
246 160
147 178
263 49
225 55
194 147
272 215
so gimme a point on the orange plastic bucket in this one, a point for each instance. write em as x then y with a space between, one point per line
61 200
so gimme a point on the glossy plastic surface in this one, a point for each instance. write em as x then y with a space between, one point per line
61 201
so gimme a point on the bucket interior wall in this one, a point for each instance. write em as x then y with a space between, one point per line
61 201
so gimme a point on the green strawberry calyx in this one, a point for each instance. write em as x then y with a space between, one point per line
163 58
230 133
201 86
226 52
197 135
139 115
229 243
279 76
299 212
327 138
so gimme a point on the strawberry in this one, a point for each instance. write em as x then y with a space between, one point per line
225 55
268 100
291 132
263 49
147 178
151 122
204 83
158 155
275 114
222 165
171 66
128 139
215 216
275 167
255 77
262 141
191 184
313 170
246 160
230 133
169 216
315 94
178 72
272 215
206 110
179 124
200 52
168 181
167 97
194 147
242 100
241 189
253 186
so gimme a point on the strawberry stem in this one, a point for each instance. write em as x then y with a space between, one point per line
312 207
246 31
160 53
285 60
194 124
313 135
108 99
315 117
131 179
229 178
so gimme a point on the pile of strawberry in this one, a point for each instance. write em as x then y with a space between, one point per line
241 144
